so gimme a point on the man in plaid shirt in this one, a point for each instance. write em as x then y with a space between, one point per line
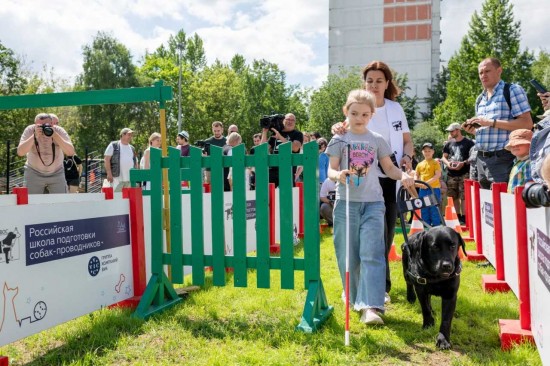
494 121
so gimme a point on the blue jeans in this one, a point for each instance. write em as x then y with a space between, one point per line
431 214
367 264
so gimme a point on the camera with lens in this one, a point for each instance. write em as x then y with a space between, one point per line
331 196
274 121
204 145
536 195
47 129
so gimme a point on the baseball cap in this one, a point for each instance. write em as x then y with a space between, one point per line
125 130
519 137
453 126
184 134
428 144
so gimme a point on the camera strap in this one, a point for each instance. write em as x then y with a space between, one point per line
38 151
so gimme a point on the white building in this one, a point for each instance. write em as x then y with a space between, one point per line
405 34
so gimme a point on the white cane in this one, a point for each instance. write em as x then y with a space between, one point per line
346 334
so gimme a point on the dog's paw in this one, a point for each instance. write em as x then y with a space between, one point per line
411 296
442 343
430 322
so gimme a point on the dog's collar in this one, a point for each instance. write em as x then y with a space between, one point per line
425 280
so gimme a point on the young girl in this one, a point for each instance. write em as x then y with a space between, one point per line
355 154
154 141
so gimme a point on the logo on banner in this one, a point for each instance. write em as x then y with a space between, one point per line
94 266
120 227
9 245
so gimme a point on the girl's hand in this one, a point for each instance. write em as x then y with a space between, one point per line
343 176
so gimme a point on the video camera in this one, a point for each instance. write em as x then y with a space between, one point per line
536 195
274 121
205 146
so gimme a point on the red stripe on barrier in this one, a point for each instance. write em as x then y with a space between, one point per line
206 187
22 195
4 361
108 192
273 247
523 261
477 208
469 217
137 237
497 225
300 186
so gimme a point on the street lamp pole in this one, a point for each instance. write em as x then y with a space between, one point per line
180 47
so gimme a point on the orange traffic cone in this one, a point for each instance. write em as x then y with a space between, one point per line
451 218
416 225
392 255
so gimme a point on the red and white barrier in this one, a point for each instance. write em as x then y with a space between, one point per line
47 237
517 242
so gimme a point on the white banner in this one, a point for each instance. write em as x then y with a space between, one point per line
487 225
58 263
538 222
509 243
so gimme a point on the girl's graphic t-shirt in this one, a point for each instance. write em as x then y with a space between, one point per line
359 153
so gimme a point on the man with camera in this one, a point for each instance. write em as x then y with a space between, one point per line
44 143
281 133
500 109
537 193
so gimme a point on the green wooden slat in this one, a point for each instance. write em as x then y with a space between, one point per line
94 97
260 159
217 214
157 215
196 214
176 230
286 224
312 237
239 216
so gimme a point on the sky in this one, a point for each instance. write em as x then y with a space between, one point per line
290 33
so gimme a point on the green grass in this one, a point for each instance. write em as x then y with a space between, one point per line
235 326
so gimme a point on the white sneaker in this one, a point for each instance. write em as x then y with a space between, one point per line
371 316
387 298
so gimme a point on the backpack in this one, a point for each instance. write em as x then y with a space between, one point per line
505 92
540 148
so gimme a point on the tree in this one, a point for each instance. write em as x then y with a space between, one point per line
437 93
492 33
326 102
540 71
407 103
108 65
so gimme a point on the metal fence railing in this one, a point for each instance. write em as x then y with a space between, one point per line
91 179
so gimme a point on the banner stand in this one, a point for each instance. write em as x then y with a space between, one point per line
477 255
511 331
496 282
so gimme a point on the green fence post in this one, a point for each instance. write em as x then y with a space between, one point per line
197 226
286 222
239 216
261 168
316 308
176 231
159 293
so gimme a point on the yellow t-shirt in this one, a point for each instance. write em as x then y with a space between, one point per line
426 170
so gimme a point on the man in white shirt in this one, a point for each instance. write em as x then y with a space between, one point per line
120 157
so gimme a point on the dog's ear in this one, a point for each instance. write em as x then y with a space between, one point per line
415 243
462 244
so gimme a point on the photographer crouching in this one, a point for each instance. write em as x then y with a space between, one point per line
283 130
537 193
45 143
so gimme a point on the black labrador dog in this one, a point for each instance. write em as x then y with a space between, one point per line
431 266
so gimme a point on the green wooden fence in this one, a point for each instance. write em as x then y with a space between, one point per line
160 293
